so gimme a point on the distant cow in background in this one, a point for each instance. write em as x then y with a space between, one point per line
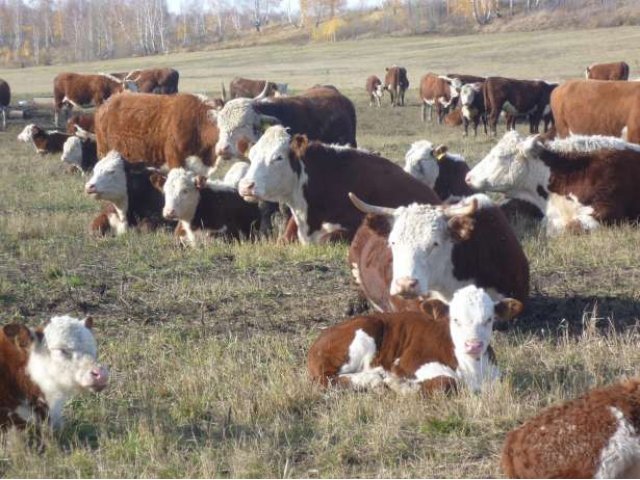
473 108
375 89
44 141
155 80
86 121
397 83
608 71
5 100
439 92
246 88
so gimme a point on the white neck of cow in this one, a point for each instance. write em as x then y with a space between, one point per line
475 372
120 223
537 175
300 208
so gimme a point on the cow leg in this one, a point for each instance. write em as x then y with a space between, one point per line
4 118
484 122
465 122
267 209
424 111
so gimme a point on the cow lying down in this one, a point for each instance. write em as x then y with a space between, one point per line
80 151
429 350
44 368
44 141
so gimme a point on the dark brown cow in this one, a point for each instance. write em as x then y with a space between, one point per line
516 97
465 79
44 141
5 100
594 107
375 89
607 71
86 121
439 92
313 179
246 88
472 107
155 80
396 83
158 130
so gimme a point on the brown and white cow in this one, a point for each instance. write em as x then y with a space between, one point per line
159 130
313 179
246 88
579 182
595 107
592 436
43 369
80 90
86 121
44 141
5 100
607 71
444 344
375 89
473 108
442 171
80 151
155 80
517 98
440 92
411 250
396 83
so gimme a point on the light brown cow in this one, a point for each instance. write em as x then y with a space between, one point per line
155 80
396 83
375 89
608 71
439 92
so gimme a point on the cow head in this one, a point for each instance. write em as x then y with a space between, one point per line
421 162
109 179
468 93
422 238
275 166
181 194
455 85
72 152
29 132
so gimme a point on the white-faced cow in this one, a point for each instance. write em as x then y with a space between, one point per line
427 351
313 179
396 83
578 182
473 108
44 141
80 151
411 250
607 71
155 80
375 89
43 369
439 92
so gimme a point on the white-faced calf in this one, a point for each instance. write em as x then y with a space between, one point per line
43 141
80 151
44 368
428 351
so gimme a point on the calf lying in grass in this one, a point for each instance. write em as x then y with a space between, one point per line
80 151
40 370
429 350
44 141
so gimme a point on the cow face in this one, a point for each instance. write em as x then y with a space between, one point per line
28 133
468 93
72 151
109 179
421 163
271 175
181 195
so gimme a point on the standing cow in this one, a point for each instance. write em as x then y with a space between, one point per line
5 99
608 71
375 89
246 88
439 92
155 80
396 82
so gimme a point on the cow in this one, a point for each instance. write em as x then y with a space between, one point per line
79 90
155 80
579 182
473 108
5 100
43 368
313 179
465 79
596 107
246 88
432 350
516 97
133 200
44 141
206 206
375 89
396 83
607 71
592 436
411 250
86 121
439 92
80 151
442 171
159 130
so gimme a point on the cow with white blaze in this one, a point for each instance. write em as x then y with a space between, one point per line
43 368
44 141
434 349
80 151
473 109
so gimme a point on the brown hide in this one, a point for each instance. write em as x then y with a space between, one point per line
433 89
246 88
84 90
397 83
156 80
608 71
86 121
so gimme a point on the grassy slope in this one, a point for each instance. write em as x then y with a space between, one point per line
207 347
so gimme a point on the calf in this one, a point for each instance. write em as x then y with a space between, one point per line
43 369
86 121
607 71
396 83
375 89
578 182
201 205
442 171
80 151
129 189
44 141
439 92
473 109
428 351
593 436
409 251
313 179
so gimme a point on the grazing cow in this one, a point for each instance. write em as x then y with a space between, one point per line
44 368
321 113
78 90
607 71
313 179
211 206
246 88
80 151
442 171
578 182
44 141
473 109
427 351
516 97
592 107
438 91
396 83
5 100
155 80
159 130
409 251
593 436
375 89
86 121
129 189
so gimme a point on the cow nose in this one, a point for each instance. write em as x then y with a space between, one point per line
100 377
468 179
473 347
406 287
90 188
224 152
169 214
246 189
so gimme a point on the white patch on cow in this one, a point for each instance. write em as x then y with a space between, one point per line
468 112
468 93
109 182
64 363
181 197
237 121
27 133
547 109
444 102
189 239
72 152
432 370
624 135
235 174
118 222
566 211
590 143
25 412
195 164
358 368
622 452
69 101
322 235
355 271
509 108
420 163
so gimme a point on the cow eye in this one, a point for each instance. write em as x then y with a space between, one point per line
278 158
64 352
435 244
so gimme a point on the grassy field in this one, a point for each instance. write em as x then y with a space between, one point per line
207 346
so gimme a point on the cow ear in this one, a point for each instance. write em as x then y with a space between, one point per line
508 308
299 144
435 308
379 224
440 152
461 227
88 322
200 182
19 334
157 179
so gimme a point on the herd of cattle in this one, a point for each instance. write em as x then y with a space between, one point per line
430 251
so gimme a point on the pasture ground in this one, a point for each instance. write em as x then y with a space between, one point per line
207 347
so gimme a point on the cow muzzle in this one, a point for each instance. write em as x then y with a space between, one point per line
100 379
170 214
474 347
247 191
90 189
405 287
